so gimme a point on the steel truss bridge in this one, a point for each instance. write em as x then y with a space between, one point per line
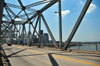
9 26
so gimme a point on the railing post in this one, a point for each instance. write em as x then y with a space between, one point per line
96 47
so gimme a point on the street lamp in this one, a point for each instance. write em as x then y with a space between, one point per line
60 29
56 12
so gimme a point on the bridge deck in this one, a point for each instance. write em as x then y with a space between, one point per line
29 56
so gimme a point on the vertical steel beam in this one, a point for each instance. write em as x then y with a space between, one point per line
26 37
77 24
39 30
60 26
49 31
19 31
29 33
23 33
12 37
1 12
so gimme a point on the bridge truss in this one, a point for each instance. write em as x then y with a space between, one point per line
9 26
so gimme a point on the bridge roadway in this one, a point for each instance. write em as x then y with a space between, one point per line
32 56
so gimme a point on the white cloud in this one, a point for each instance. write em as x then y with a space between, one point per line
2 19
46 0
80 1
18 19
64 12
91 8
50 0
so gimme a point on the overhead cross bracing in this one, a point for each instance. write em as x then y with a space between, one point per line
27 15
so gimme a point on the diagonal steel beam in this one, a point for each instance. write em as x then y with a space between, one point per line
16 27
48 5
43 9
6 28
49 31
77 24
34 30
34 27
31 13
20 3
10 11
18 14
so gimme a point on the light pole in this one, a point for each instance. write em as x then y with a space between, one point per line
60 25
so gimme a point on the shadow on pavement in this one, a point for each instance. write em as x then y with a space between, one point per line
7 49
16 53
53 61
26 55
1 63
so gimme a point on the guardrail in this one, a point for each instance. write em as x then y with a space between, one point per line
93 47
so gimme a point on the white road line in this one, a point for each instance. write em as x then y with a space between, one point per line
29 56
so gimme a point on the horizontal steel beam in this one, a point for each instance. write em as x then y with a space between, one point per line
37 3
15 22
13 5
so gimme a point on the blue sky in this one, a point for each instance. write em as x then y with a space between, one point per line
89 30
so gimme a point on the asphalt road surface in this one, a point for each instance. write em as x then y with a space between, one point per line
29 56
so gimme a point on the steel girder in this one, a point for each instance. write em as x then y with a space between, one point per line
43 9
27 19
60 26
77 24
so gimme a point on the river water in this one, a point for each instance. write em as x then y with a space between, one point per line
86 47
